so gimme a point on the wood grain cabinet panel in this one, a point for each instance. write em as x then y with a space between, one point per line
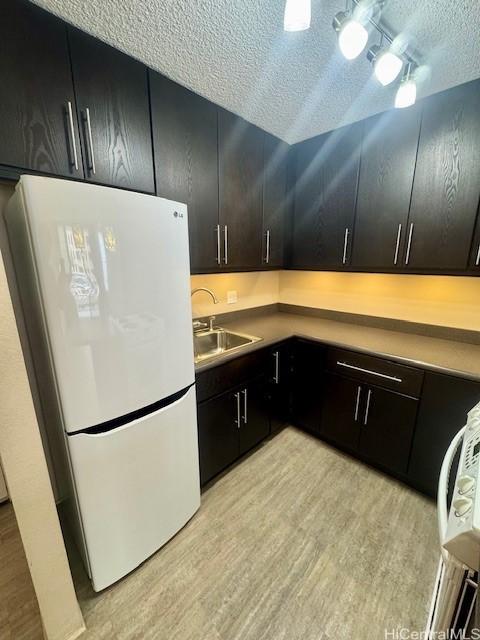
446 186
475 251
35 128
186 163
240 158
218 440
387 424
326 187
341 411
389 149
275 165
114 114
443 410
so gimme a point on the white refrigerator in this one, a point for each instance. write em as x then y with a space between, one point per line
104 279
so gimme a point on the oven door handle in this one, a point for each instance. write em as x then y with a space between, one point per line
442 510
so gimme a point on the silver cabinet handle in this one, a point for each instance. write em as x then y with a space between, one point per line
397 246
90 140
477 261
245 403
72 135
373 373
238 420
345 245
267 250
357 403
218 244
369 397
225 244
276 377
409 244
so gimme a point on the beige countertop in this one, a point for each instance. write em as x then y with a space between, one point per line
448 356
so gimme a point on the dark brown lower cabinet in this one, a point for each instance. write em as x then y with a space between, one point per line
443 411
307 384
231 424
254 421
341 411
387 423
279 386
217 435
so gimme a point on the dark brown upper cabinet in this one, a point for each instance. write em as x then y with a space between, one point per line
475 252
186 167
389 149
326 187
275 166
446 186
240 163
114 114
38 123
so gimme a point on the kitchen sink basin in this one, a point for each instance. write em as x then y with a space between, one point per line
214 342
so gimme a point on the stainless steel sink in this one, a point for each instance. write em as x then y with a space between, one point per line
214 342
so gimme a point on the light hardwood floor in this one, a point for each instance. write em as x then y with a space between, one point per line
297 542
19 614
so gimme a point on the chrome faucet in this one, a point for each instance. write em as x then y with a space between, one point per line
198 325
214 297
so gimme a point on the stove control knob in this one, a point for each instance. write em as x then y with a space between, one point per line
462 506
464 484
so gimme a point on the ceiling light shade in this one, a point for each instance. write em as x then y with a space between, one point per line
387 65
352 35
297 15
406 94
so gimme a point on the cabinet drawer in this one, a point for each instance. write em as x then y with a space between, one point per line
219 379
377 371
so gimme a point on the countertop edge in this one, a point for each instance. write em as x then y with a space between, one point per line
269 342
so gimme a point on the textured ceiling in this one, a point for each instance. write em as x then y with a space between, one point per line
295 85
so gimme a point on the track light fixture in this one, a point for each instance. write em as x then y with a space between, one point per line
386 64
407 91
353 26
297 15
352 35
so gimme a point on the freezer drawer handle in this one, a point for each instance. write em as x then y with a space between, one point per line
369 371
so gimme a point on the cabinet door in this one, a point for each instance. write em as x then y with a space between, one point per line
307 384
475 252
387 424
279 387
342 410
186 163
218 435
38 123
442 413
240 191
274 200
447 180
255 425
113 108
389 148
325 193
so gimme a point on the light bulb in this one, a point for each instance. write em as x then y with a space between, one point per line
406 94
352 39
387 67
297 15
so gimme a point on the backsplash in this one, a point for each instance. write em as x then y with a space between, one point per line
448 301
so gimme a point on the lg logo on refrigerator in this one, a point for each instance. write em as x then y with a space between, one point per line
177 215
